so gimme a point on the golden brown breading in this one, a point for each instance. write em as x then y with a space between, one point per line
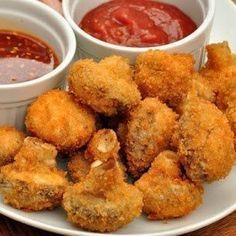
163 75
57 119
220 71
199 87
11 141
107 87
33 182
102 145
102 202
167 192
206 141
78 167
231 113
150 127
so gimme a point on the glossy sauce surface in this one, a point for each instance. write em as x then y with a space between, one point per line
24 57
137 23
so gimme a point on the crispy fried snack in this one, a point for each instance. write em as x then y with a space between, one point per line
150 127
11 141
199 87
163 75
57 119
220 71
107 87
33 182
231 113
102 202
206 141
78 167
103 145
167 192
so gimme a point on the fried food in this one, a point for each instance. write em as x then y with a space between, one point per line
163 75
206 141
231 113
11 141
150 127
167 192
220 71
199 87
55 118
103 201
103 145
107 87
32 182
78 167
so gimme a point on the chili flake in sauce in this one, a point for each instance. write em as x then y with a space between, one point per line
24 57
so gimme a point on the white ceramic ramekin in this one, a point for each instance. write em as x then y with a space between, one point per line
201 11
39 20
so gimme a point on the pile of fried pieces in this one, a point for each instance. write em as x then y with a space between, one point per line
139 139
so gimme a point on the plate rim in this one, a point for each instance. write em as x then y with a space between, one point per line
55 229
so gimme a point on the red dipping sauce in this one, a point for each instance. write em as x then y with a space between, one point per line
137 23
24 58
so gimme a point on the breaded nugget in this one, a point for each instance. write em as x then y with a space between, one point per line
167 192
107 87
163 75
102 202
103 145
33 182
11 141
150 127
57 119
206 141
220 71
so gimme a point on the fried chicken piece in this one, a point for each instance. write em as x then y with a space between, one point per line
32 182
220 71
167 192
163 75
11 141
103 145
57 119
103 201
150 127
107 87
206 141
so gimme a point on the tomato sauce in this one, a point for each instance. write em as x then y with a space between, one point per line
137 23
24 58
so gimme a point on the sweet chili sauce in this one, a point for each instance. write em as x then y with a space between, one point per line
137 23
24 57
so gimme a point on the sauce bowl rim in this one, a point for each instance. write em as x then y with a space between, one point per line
200 30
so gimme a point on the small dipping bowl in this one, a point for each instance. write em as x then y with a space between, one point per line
42 22
200 11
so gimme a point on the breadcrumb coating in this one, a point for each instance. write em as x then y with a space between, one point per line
11 141
107 87
167 192
57 119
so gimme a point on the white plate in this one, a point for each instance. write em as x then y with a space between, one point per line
219 198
